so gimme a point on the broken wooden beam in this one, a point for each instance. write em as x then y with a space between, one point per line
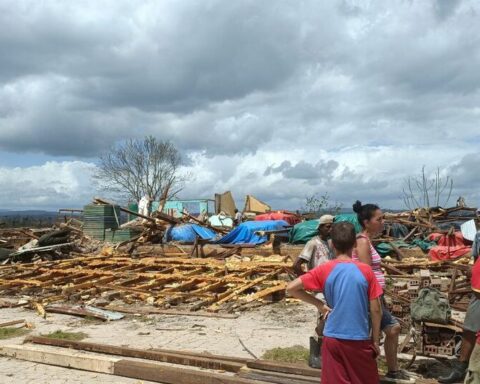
10 323
216 229
392 269
399 253
159 215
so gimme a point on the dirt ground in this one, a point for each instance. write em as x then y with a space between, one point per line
276 325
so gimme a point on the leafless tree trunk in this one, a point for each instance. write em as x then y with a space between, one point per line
140 167
421 191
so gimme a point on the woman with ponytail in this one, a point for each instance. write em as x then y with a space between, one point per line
370 217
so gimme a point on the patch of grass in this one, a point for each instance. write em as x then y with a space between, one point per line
71 336
382 365
295 354
90 320
10 332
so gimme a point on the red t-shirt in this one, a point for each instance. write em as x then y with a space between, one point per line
476 276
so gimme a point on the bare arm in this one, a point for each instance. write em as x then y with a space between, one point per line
297 266
295 289
307 253
363 251
376 314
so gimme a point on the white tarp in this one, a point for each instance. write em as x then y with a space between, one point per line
469 230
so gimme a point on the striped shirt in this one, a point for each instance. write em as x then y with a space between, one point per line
376 261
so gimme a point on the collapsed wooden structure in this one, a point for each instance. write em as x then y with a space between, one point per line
164 282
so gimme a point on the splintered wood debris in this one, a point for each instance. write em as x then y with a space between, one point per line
164 282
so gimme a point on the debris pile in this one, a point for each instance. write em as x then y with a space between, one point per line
405 279
165 282
23 245
440 233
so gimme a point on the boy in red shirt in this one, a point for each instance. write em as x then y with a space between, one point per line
351 290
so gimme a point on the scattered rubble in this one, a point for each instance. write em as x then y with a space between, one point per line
134 269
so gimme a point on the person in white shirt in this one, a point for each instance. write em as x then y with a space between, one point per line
238 217
144 205
316 252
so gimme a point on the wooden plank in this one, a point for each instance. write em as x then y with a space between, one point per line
61 358
156 355
400 254
410 234
240 360
128 368
279 378
173 375
10 323
90 284
405 342
281 286
294 369
391 268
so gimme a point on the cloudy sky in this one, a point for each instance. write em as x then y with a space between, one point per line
280 99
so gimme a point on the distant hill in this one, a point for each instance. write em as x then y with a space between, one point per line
28 218
29 212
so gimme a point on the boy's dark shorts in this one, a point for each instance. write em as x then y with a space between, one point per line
472 318
388 320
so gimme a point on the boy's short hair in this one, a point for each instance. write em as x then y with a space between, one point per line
343 236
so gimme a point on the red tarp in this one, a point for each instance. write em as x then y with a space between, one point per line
290 218
449 247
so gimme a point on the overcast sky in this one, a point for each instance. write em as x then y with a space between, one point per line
279 99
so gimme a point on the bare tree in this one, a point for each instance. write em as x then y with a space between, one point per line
424 191
143 166
320 205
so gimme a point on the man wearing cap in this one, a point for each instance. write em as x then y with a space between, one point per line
316 252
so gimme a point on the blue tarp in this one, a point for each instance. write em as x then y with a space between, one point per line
245 232
188 232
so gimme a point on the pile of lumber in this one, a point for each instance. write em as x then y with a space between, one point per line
431 219
162 366
169 281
